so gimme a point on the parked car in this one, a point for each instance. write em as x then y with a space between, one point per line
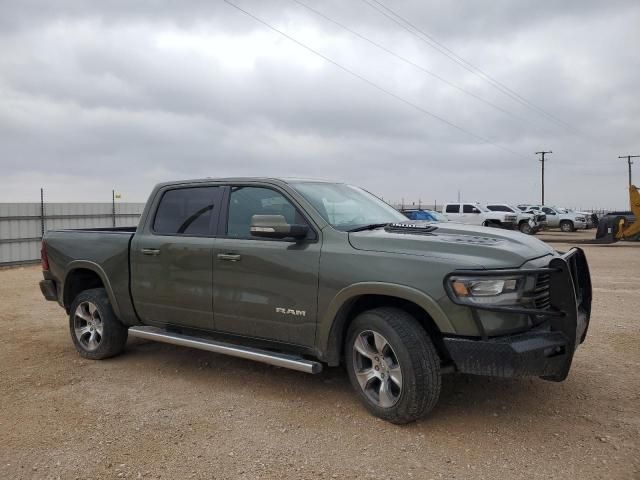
299 274
476 214
567 221
420 214
529 223
587 215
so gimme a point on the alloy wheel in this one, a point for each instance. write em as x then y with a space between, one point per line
377 369
87 326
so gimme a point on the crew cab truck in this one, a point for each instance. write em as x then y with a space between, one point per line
556 218
303 273
476 214
528 223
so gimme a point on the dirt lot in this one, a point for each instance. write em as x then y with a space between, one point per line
160 411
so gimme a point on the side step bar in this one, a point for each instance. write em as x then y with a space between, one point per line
272 358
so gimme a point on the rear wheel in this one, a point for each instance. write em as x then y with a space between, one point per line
392 365
95 330
567 226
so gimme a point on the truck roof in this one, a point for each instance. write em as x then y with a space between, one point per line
285 180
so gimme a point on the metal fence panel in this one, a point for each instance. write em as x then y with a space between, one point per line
21 224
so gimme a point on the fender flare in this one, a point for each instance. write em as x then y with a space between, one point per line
332 323
97 269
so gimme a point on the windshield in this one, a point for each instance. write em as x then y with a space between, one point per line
346 207
439 216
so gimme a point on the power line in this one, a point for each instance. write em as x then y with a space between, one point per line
444 50
412 63
373 84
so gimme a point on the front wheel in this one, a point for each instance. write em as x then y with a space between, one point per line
525 228
95 330
567 226
392 365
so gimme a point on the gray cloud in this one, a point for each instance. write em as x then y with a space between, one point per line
121 95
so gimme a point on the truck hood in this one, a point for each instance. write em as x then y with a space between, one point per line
467 246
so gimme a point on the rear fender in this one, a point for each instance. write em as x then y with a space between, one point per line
97 269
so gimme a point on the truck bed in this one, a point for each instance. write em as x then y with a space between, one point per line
105 250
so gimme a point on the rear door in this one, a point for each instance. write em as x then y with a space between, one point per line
265 288
452 211
172 258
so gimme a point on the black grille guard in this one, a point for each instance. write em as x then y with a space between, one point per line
569 290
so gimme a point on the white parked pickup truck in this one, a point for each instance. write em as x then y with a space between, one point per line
476 214
567 222
529 223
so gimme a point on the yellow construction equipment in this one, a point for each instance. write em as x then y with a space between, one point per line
622 229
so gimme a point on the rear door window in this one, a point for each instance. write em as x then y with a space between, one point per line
499 208
188 211
453 208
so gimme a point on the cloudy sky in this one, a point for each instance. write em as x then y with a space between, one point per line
120 94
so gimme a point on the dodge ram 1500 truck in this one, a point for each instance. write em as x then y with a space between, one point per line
305 273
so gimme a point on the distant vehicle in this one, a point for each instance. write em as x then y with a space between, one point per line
420 214
609 224
529 223
565 221
476 214
587 215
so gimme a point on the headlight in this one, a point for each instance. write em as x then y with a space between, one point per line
508 290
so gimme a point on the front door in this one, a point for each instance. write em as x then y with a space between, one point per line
553 219
172 259
471 215
265 288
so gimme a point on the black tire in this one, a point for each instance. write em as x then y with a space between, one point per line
108 333
416 357
567 226
525 228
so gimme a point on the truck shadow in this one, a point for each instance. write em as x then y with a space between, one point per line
463 396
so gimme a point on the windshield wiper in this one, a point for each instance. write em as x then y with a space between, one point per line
371 226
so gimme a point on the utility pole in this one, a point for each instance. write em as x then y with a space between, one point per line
113 207
629 157
542 159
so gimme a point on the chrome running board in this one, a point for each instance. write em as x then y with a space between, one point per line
272 358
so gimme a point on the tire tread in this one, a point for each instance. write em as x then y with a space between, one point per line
421 395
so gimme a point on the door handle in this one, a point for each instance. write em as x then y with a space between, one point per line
150 251
229 257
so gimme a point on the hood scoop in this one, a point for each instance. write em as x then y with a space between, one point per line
420 228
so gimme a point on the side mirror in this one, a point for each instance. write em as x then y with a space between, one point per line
475 210
276 226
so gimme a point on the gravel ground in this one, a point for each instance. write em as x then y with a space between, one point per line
160 411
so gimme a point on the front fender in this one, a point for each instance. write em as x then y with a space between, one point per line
332 322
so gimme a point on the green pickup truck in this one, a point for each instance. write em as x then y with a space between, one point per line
306 273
